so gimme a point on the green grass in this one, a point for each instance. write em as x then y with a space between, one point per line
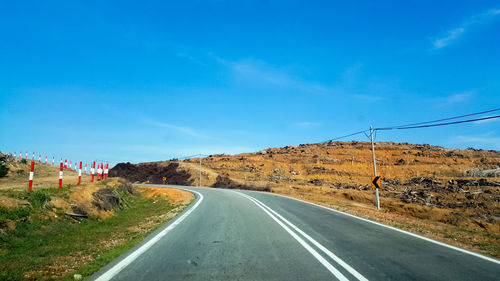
13 214
38 240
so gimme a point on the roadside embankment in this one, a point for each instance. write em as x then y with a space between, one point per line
53 234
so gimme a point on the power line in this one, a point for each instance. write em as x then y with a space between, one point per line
439 120
422 124
353 134
192 156
441 124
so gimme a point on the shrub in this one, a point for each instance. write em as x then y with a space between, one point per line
13 214
38 197
3 170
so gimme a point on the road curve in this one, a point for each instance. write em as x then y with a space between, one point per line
246 235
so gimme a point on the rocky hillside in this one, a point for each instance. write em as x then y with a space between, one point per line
456 181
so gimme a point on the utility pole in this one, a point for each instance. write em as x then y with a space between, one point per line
200 170
377 203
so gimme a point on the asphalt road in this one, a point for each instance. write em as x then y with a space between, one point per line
245 235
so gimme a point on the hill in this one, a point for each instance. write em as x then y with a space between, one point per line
448 194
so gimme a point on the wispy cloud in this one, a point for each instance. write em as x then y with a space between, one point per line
459 97
306 124
257 72
451 36
184 130
162 152
490 141
453 99
455 33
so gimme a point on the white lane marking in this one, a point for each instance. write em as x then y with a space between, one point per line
393 228
322 260
399 230
130 258
316 243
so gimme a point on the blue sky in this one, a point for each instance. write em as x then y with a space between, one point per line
134 81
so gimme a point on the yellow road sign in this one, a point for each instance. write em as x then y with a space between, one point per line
164 178
376 182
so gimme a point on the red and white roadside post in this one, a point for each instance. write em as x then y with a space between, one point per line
106 171
99 171
32 173
60 174
53 159
80 174
33 158
45 159
97 177
39 158
69 165
85 169
92 170
26 155
65 163
14 154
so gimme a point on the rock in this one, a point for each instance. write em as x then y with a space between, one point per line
316 181
478 172
106 199
77 277
400 162
428 182
454 154
79 209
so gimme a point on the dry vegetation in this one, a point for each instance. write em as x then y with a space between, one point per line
448 194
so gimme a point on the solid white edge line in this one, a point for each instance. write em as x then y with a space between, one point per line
316 243
322 260
397 229
110 273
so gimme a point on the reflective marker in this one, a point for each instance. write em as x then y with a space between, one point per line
32 172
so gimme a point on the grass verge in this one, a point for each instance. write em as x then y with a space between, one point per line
48 245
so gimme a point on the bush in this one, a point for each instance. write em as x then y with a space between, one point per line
13 214
3 170
23 161
38 197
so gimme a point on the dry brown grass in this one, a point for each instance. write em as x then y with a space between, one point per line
45 176
174 196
